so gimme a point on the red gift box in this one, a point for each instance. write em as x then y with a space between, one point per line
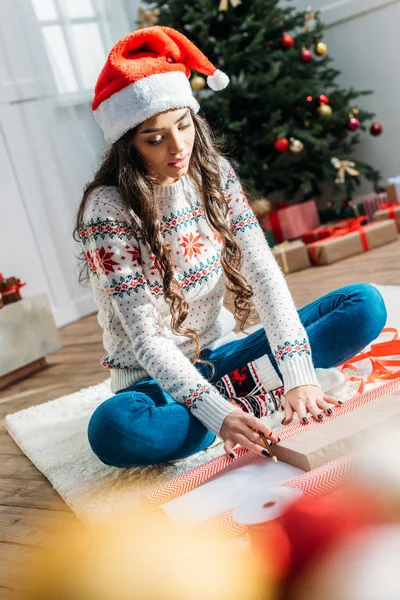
293 221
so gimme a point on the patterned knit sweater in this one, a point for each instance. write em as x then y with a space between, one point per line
136 319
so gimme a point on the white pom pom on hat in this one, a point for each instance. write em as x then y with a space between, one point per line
218 81
147 72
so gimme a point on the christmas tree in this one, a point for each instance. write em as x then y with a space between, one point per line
283 118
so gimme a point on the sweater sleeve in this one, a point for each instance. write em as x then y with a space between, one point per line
112 250
286 335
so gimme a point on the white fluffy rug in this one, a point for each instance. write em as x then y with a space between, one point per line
54 437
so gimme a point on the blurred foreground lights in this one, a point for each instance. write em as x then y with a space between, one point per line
143 556
364 567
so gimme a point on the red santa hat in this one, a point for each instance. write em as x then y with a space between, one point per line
147 72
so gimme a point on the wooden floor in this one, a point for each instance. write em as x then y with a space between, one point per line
28 503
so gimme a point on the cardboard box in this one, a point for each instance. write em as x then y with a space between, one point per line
393 190
391 212
370 236
342 435
292 256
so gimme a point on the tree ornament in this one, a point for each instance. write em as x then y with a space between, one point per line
309 19
309 98
324 110
376 129
321 49
261 207
322 99
344 167
296 146
198 83
147 18
223 5
281 144
353 124
287 41
306 55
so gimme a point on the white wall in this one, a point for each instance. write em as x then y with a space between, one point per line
47 153
363 39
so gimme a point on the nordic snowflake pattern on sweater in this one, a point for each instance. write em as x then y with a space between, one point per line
135 317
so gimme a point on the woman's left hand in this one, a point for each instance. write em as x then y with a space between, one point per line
308 399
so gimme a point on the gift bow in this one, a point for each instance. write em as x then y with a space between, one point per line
13 288
223 5
343 167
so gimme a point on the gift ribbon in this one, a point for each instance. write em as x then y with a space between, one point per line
379 371
282 247
12 288
391 208
351 226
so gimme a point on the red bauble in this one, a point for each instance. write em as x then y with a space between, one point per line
287 41
376 129
306 55
322 99
353 124
282 144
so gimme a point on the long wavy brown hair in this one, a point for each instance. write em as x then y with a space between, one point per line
122 167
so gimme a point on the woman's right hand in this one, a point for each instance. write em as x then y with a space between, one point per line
242 428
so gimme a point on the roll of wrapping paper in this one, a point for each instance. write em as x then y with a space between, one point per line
354 226
281 248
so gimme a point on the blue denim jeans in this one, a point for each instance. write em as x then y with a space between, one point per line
143 425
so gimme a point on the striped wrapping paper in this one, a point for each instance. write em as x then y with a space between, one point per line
311 483
371 203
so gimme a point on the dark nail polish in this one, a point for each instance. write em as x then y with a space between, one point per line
329 411
265 453
320 416
279 439
305 420
232 455
283 421
340 402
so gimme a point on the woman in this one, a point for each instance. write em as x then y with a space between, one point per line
166 228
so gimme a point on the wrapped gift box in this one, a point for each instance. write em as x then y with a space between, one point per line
371 203
266 227
336 248
27 333
292 221
343 435
389 211
292 256
392 189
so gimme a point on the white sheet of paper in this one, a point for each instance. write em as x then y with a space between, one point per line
227 490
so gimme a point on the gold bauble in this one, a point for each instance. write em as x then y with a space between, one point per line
325 110
321 49
198 83
261 207
296 146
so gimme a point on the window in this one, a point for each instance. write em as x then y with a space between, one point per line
76 36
